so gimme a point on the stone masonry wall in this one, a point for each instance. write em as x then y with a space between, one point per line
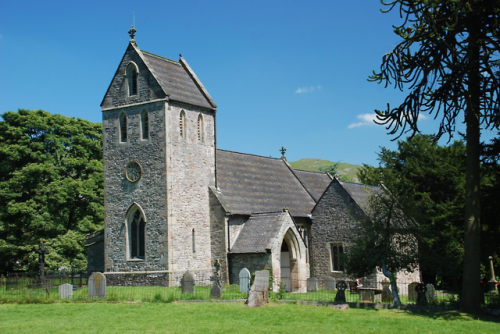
147 87
149 192
218 233
190 172
332 218
252 262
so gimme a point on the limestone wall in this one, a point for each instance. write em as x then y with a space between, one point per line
190 172
252 262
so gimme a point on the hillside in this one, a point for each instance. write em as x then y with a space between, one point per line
344 169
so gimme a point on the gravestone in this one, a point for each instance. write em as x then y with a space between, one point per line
97 285
421 289
66 291
329 284
430 294
340 296
386 292
312 284
259 293
216 291
187 283
244 280
412 293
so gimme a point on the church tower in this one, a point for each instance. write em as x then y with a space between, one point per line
159 162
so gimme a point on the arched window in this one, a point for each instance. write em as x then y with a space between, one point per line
201 133
182 124
123 128
132 73
136 233
145 124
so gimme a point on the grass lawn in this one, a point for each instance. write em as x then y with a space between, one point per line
230 318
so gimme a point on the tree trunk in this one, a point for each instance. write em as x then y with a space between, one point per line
394 286
470 298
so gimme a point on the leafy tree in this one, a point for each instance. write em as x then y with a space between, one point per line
449 56
431 180
331 169
385 240
51 188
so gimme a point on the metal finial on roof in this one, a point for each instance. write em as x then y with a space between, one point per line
132 32
283 150
180 56
381 178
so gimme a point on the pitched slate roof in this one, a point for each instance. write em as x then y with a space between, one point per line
251 184
315 182
258 233
179 81
360 193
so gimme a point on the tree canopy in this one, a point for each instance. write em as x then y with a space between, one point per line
51 188
449 58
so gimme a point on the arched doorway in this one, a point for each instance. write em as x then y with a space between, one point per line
285 266
289 261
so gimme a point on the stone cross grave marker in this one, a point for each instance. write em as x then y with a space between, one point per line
421 290
244 280
97 285
340 296
66 291
329 284
412 293
259 293
431 293
187 283
312 284
216 291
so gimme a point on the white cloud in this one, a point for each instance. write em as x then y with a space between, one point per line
307 89
367 119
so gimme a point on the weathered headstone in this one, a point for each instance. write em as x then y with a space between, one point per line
259 293
187 283
431 293
244 280
66 291
312 284
329 284
216 291
340 296
412 293
97 285
386 292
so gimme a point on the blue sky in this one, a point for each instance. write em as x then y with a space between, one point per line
290 73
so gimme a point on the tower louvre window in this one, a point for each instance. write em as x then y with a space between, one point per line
132 76
123 128
182 124
200 128
145 124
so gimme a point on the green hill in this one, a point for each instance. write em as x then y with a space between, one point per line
344 169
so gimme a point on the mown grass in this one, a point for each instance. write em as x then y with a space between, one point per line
209 317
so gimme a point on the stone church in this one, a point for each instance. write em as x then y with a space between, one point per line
175 202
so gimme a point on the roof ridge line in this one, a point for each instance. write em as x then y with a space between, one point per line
160 57
309 171
255 155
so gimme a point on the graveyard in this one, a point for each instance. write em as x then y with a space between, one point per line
230 318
